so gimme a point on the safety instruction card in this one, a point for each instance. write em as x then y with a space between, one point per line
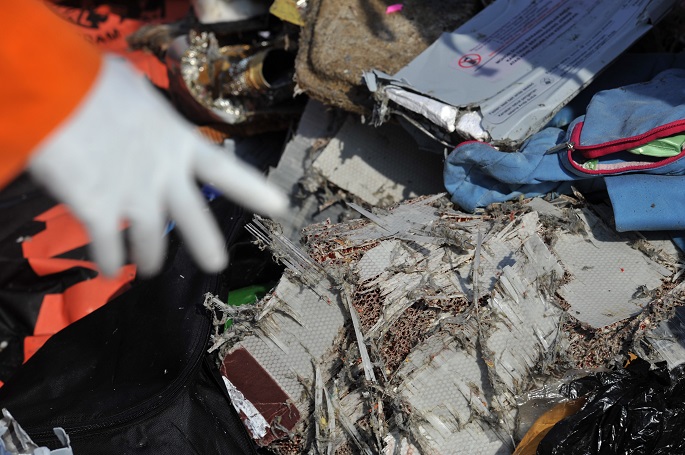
516 63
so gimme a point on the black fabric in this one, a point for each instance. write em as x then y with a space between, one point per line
134 376
21 290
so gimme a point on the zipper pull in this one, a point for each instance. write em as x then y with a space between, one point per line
563 146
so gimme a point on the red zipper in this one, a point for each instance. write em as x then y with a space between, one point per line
619 145
619 168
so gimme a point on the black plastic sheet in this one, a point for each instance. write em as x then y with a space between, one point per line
637 410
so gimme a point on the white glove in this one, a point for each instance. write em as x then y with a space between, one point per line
216 11
126 156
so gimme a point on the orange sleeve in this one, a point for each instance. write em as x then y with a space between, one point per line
47 69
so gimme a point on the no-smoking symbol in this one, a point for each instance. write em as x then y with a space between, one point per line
469 60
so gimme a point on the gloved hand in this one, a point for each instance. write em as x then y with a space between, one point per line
126 156
216 11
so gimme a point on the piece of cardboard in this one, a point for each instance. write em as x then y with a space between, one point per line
515 64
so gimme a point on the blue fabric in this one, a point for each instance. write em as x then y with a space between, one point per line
644 202
626 70
635 109
678 238
477 175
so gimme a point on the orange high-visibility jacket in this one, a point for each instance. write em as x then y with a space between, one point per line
46 70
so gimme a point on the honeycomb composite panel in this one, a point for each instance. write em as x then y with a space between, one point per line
381 166
453 316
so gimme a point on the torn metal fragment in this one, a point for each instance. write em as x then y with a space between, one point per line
252 418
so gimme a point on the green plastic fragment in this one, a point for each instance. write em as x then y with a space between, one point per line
590 164
662 148
245 296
